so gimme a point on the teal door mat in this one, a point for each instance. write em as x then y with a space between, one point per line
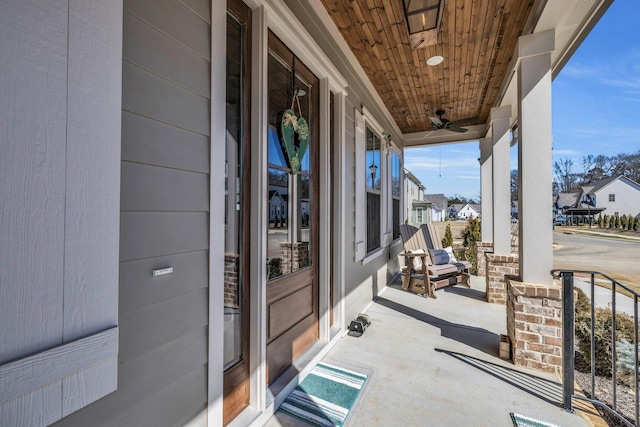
522 421
325 397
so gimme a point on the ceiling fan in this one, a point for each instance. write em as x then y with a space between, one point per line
441 123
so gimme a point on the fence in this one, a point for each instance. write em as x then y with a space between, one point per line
569 342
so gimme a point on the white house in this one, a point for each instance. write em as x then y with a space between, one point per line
614 195
439 205
617 195
418 210
467 211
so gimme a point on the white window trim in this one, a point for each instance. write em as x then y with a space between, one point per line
393 149
363 120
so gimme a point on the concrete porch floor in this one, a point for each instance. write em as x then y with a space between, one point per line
436 363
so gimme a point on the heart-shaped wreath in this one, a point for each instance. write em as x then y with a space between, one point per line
294 136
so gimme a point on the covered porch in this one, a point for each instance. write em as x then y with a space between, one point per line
436 362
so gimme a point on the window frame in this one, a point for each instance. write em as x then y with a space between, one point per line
373 243
364 120
395 152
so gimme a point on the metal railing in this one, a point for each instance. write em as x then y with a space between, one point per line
568 339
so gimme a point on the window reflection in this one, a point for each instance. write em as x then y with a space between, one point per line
234 173
290 196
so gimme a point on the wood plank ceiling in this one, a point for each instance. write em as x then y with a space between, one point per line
477 40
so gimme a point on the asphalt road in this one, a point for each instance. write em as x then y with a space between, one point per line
617 258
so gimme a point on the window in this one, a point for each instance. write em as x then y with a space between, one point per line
419 215
372 180
396 185
372 187
612 197
290 201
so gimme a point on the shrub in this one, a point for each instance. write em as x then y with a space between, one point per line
447 240
632 222
606 221
602 332
275 268
624 222
636 225
600 221
471 234
625 365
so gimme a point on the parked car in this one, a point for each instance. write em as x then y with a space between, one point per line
560 219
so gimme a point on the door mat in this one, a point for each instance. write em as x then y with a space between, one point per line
325 396
522 421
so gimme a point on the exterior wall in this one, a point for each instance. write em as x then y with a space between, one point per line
534 325
627 198
162 378
498 267
59 196
363 281
482 248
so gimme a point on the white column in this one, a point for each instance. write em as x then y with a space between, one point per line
486 188
500 118
535 157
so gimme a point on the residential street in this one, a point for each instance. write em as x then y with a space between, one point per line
617 258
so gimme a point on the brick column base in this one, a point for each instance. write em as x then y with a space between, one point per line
534 325
481 249
499 266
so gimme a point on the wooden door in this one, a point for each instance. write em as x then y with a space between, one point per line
292 219
237 212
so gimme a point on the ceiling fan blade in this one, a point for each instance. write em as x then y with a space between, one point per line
464 121
431 133
436 120
457 129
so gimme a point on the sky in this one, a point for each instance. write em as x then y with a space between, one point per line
595 109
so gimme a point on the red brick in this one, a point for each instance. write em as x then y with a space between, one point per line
555 341
552 322
554 293
528 337
552 360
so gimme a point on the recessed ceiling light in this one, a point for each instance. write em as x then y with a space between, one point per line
435 60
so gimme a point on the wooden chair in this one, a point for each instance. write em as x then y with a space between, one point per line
434 241
424 277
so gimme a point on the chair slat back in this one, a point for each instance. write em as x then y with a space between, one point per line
431 236
413 239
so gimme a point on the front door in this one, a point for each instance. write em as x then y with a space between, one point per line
292 218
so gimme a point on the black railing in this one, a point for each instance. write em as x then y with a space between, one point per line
569 334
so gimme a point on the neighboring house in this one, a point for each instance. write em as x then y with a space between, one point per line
278 207
615 195
439 205
468 211
417 209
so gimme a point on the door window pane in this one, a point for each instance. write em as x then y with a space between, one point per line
290 200
233 279
278 230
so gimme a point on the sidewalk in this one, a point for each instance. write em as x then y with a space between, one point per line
602 296
595 232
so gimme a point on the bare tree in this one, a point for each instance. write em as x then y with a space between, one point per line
514 185
566 179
